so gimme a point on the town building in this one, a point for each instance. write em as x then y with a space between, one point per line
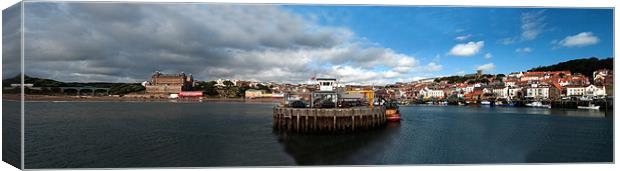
537 92
501 92
594 91
603 77
575 90
169 84
253 93
431 93
326 84
515 93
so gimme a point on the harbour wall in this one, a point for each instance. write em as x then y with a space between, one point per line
308 120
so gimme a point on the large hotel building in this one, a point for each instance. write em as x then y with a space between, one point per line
169 84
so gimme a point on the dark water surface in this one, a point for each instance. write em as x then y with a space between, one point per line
121 134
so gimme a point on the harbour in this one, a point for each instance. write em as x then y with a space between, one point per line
188 85
239 134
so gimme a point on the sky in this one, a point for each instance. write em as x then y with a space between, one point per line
115 42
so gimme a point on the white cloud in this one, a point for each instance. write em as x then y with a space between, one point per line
466 49
433 67
462 38
437 58
507 41
488 56
579 40
486 67
524 50
532 24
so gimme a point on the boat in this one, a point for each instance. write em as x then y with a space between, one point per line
485 103
506 104
391 112
538 104
590 106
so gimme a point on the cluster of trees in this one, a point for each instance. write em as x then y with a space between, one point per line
126 88
585 66
469 79
51 87
229 90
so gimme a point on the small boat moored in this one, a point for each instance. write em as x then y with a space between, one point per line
590 106
538 104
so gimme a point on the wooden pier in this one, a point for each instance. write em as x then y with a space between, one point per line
308 120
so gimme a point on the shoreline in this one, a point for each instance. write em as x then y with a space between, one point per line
47 98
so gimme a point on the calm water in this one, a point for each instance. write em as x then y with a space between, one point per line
116 134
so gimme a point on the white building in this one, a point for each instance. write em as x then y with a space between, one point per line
516 74
468 89
593 90
514 92
426 92
575 91
600 74
487 90
501 92
436 93
326 84
537 92
220 82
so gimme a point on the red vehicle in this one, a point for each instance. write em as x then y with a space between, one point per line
190 94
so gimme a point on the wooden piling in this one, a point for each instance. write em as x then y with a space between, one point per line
327 120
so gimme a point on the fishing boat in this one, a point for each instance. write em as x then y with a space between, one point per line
485 103
590 106
391 112
538 104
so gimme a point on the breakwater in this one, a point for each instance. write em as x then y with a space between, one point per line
309 120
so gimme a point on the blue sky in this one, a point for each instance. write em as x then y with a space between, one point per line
429 33
88 42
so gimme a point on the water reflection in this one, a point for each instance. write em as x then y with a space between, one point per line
338 149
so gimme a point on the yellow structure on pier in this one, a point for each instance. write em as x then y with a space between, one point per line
369 94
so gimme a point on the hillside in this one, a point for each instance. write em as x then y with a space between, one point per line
585 66
115 88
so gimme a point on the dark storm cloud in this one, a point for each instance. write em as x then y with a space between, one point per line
128 42
11 33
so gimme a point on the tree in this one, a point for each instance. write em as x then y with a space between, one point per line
241 91
500 76
207 87
562 75
125 88
228 83
584 66
263 87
